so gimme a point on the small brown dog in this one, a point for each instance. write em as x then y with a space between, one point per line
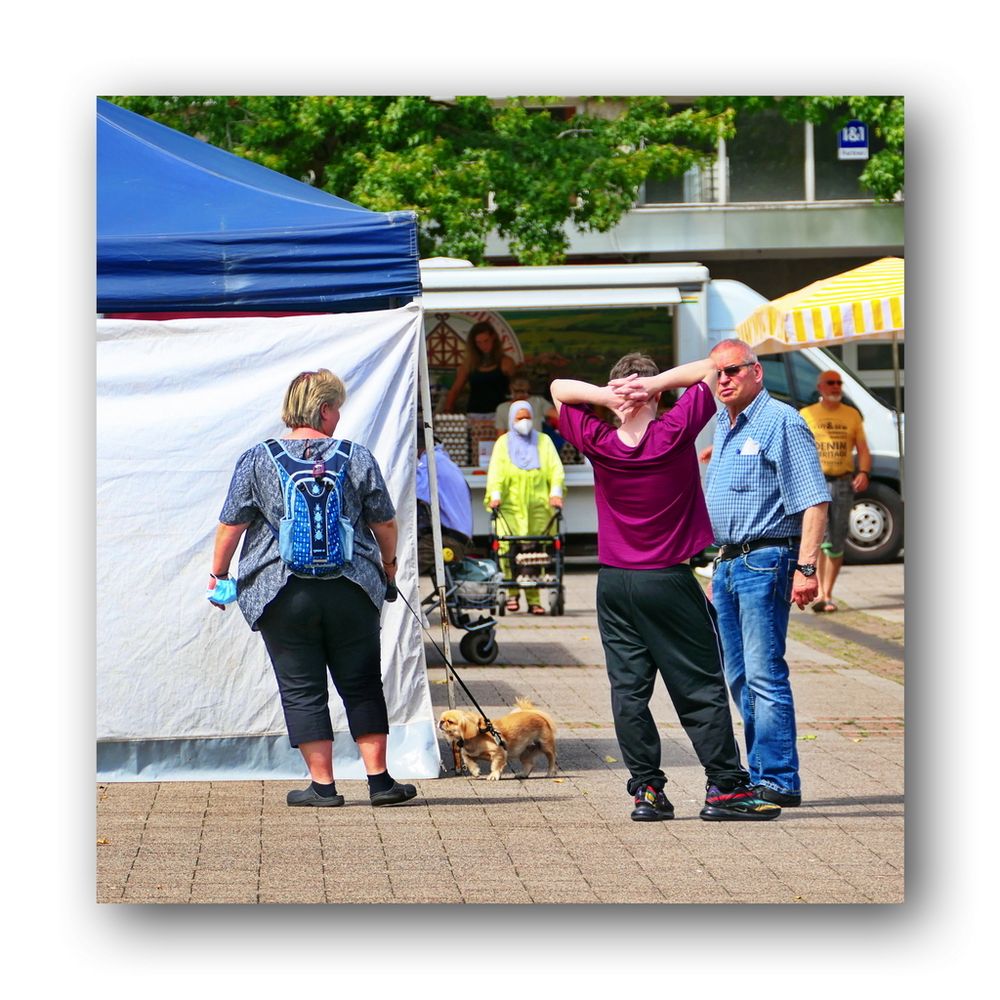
526 732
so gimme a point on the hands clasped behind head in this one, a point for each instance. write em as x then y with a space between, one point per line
630 392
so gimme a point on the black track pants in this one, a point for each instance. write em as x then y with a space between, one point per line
659 621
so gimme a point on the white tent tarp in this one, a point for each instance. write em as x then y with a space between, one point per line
185 691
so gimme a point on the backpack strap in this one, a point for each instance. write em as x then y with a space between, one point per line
288 467
292 465
343 456
284 478
281 458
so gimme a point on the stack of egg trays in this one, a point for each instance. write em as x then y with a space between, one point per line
452 431
480 430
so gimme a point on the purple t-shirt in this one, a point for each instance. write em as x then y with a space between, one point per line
651 510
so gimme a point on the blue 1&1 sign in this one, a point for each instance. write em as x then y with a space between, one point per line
852 141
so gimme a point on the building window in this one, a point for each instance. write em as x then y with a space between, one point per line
668 192
877 357
696 186
766 159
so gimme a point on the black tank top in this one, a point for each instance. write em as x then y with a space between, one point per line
487 390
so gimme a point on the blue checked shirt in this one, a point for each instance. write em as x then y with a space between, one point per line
764 473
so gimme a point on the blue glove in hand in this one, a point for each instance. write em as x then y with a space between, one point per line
224 592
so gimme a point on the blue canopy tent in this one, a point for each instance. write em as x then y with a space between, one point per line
183 226
191 233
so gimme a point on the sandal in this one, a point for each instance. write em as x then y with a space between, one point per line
513 604
824 607
536 609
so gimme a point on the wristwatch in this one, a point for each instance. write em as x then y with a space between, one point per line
806 569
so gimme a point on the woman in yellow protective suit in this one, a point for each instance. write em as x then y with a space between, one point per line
525 480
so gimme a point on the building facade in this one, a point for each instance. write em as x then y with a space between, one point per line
777 209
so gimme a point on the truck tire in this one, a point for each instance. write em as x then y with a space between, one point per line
875 528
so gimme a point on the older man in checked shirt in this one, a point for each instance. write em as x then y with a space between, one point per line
767 499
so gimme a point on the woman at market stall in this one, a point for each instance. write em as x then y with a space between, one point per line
486 369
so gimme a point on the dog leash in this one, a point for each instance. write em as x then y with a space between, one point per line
448 666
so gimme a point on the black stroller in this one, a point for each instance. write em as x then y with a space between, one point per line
471 595
530 561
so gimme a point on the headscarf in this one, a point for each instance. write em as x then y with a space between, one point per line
523 451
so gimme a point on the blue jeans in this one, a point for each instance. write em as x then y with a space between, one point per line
752 598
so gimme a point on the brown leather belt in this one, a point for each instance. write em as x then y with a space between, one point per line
731 551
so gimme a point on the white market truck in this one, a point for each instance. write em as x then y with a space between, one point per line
672 310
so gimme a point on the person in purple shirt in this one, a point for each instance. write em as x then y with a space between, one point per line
652 613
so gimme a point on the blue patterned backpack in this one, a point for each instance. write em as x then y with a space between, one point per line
314 539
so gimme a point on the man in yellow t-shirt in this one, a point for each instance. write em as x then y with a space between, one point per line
839 432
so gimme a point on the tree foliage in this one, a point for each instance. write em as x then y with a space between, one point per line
524 167
884 172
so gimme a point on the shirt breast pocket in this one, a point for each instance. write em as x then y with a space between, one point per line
746 472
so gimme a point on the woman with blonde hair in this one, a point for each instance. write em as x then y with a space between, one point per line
486 369
316 619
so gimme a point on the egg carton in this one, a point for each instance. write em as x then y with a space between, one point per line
458 452
481 430
533 559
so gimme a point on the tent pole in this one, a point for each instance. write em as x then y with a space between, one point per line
428 428
899 410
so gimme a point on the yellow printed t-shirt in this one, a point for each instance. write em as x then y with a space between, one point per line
836 432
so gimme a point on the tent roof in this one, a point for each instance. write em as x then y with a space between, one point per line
867 301
183 225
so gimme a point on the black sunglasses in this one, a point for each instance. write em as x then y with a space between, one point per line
731 371
832 381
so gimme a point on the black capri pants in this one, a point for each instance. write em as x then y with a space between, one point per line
325 624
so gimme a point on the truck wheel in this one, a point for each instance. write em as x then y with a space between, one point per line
479 647
875 528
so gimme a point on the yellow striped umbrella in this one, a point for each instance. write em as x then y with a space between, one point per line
864 302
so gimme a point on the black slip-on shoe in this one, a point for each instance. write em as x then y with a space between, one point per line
393 796
739 803
780 798
310 797
651 805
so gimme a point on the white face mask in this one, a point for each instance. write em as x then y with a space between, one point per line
523 426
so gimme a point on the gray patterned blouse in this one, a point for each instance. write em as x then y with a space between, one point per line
255 497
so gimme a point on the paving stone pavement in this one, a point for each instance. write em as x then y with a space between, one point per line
566 839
